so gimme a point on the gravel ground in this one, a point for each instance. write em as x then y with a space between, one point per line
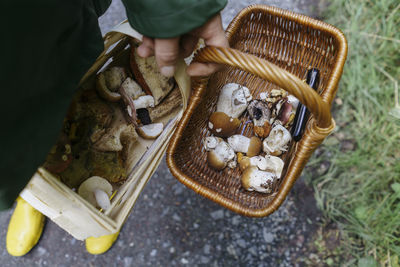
173 226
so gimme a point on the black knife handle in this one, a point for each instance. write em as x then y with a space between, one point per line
302 113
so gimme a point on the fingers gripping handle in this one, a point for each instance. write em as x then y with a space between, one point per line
272 73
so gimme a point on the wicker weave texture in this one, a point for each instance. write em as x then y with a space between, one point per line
260 35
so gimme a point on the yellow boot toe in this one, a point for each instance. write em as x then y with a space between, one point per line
24 229
99 245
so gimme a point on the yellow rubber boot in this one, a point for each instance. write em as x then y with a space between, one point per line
99 245
25 228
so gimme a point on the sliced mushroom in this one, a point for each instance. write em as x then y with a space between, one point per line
293 101
255 180
240 143
144 102
108 82
97 191
150 131
132 88
233 99
222 125
221 156
277 141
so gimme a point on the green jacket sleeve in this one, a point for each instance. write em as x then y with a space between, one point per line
47 46
166 19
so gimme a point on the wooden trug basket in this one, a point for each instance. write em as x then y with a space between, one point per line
270 48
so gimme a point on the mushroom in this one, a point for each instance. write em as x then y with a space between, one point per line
108 82
233 99
250 146
132 88
285 112
222 125
255 180
144 102
97 191
274 164
221 156
150 131
277 141
211 142
260 114
257 161
293 101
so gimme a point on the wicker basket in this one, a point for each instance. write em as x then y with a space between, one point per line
50 196
272 48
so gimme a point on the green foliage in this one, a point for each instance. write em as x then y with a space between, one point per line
361 190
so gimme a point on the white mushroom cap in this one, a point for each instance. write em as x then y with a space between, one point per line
233 99
274 164
256 180
277 141
150 131
144 102
220 156
97 191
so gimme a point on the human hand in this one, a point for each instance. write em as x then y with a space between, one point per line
167 51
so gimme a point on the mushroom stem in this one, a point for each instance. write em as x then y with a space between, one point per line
129 107
102 199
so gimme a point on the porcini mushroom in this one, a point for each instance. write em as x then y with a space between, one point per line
250 146
255 180
150 131
256 161
108 82
274 164
260 114
233 99
97 191
211 142
221 156
222 125
277 141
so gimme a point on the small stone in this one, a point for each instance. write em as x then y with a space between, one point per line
253 251
232 251
196 225
131 244
171 250
41 251
204 259
176 217
153 253
207 249
217 215
128 261
268 237
235 220
184 261
241 243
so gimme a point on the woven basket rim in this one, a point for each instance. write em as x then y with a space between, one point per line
327 96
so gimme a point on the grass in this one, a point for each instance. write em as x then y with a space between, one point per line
361 189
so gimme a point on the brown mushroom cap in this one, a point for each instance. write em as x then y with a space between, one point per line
255 146
222 125
244 163
215 161
246 176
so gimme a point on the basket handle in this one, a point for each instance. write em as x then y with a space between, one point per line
270 72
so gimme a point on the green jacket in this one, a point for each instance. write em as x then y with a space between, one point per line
47 46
